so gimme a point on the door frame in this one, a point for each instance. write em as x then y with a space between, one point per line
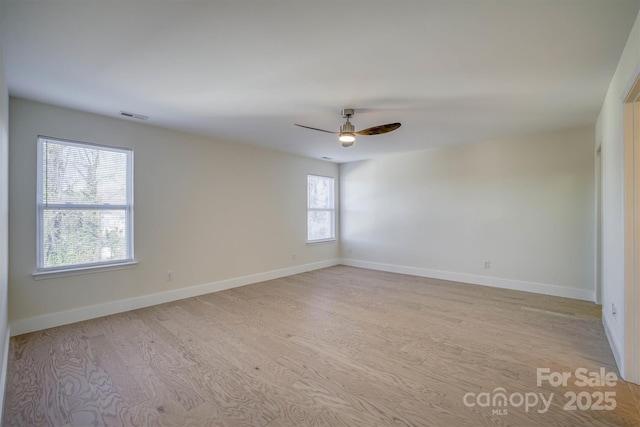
632 234
598 273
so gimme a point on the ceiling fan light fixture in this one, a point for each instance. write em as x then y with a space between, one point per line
347 134
347 138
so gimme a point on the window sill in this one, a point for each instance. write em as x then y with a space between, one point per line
43 275
317 242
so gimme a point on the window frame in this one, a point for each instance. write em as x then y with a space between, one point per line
332 209
42 207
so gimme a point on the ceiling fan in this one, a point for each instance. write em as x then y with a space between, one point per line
347 134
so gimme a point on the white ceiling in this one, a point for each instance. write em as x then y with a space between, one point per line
245 70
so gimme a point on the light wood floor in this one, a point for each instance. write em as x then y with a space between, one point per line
335 347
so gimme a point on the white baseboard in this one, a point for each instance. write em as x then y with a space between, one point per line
518 285
3 371
23 326
614 344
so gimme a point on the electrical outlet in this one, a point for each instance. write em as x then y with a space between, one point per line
293 255
169 276
349 250
614 311
486 265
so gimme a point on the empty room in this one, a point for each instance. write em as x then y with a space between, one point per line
319 213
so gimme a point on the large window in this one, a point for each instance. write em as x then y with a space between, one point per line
85 205
320 209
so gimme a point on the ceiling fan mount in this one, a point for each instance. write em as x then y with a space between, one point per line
347 113
347 133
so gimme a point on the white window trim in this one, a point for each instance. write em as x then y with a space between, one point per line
320 241
76 271
68 270
332 210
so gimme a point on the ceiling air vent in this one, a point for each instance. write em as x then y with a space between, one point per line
133 115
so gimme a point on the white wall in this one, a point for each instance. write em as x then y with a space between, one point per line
525 205
4 229
210 211
609 130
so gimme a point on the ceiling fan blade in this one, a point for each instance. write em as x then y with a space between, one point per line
309 127
377 130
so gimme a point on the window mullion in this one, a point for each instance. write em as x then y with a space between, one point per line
83 207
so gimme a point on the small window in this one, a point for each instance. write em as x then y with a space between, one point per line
320 209
85 205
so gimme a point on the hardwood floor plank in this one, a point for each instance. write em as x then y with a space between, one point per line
35 396
92 398
118 371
